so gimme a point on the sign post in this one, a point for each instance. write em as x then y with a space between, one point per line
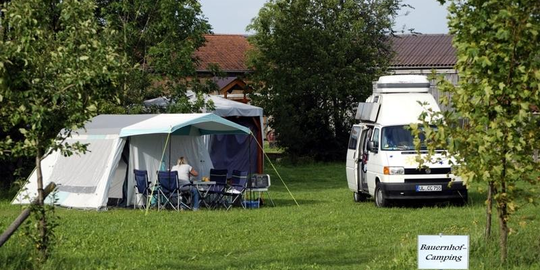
443 251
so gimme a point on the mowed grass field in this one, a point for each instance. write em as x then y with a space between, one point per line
327 231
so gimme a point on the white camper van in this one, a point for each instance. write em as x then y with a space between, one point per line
381 157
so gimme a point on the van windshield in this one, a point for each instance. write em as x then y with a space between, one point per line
399 138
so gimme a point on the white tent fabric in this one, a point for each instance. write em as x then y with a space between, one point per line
222 106
225 107
82 178
85 181
230 154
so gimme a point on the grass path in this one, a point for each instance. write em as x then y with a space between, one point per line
327 231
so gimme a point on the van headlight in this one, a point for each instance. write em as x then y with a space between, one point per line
392 170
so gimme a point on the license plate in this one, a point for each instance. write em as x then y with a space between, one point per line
428 188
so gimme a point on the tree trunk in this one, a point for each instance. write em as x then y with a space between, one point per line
39 178
489 207
503 227
502 209
42 227
23 216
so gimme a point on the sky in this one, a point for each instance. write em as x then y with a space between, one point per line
232 16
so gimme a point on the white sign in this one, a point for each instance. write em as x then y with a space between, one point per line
443 252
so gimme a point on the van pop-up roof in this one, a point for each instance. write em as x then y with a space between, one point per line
395 100
402 84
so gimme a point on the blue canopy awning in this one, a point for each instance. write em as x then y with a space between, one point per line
184 124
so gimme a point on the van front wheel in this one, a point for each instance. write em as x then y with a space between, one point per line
380 198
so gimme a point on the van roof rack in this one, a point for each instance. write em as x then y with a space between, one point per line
402 84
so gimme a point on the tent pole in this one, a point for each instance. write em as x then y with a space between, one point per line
251 195
170 144
249 152
259 140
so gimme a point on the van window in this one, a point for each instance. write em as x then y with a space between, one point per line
365 140
399 138
353 140
375 137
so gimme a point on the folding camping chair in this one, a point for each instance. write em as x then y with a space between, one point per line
236 188
219 176
142 188
169 190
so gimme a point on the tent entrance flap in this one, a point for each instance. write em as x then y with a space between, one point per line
158 152
118 187
237 152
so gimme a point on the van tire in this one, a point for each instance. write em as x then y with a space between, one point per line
359 197
380 198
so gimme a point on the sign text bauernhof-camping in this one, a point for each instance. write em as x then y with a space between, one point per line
443 252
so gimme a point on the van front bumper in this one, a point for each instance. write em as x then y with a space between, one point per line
404 191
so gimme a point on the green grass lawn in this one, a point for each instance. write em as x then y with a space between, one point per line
327 231
271 150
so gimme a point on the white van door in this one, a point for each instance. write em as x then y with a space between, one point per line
351 166
363 157
374 165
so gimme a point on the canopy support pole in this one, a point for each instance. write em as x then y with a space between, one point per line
279 176
149 199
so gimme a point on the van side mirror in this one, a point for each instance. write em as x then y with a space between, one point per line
373 146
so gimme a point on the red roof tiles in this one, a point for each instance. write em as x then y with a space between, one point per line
227 51
412 51
423 51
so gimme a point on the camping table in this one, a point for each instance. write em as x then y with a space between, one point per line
203 187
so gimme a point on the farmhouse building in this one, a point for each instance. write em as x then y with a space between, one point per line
415 54
228 52
422 54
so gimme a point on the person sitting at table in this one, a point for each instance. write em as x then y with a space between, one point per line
185 171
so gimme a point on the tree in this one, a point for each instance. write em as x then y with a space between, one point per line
492 130
312 62
156 41
55 69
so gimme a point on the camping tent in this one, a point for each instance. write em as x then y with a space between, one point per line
228 150
231 150
117 145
